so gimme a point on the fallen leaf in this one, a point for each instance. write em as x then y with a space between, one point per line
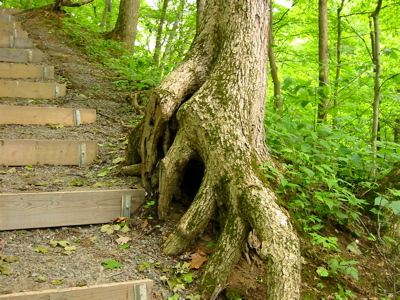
118 160
40 250
56 282
144 224
125 229
143 266
123 240
5 270
12 170
197 260
120 220
353 248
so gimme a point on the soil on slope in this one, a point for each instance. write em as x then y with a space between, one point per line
90 86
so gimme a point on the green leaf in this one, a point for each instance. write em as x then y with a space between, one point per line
322 272
56 282
380 201
103 173
76 182
5 270
306 170
40 250
143 266
29 168
111 264
395 206
118 160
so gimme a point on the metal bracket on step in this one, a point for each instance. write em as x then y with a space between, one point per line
82 154
44 72
77 117
140 291
126 206
56 91
30 56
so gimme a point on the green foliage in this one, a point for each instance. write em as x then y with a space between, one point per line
111 264
178 277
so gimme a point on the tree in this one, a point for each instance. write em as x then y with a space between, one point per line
323 60
274 68
157 48
207 118
126 26
376 45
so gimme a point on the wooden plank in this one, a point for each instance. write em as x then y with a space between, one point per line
21 55
5 17
55 209
16 71
10 25
46 152
7 11
15 42
129 290
14 32
31 90
28 115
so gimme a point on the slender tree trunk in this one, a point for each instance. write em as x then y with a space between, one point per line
209 113
173 33
376 59
126 26
274 68
323 61
157 48
338 57
107 9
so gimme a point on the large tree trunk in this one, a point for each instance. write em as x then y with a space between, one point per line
207 118
126 26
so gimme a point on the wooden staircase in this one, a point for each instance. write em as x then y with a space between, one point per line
24 75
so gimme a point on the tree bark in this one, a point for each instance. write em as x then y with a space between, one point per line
376 59
338 56
274 68
107 9
323 61
157 48
208 116
126 26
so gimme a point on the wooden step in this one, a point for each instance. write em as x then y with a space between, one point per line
9 11
128 290
21 55
47 152
17 71
10 25
14 32
5 17
31 90
15 42
34 115
69 208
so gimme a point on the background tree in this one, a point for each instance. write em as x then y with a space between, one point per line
126 26
323 61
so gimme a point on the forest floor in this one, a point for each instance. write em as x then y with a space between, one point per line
33 264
